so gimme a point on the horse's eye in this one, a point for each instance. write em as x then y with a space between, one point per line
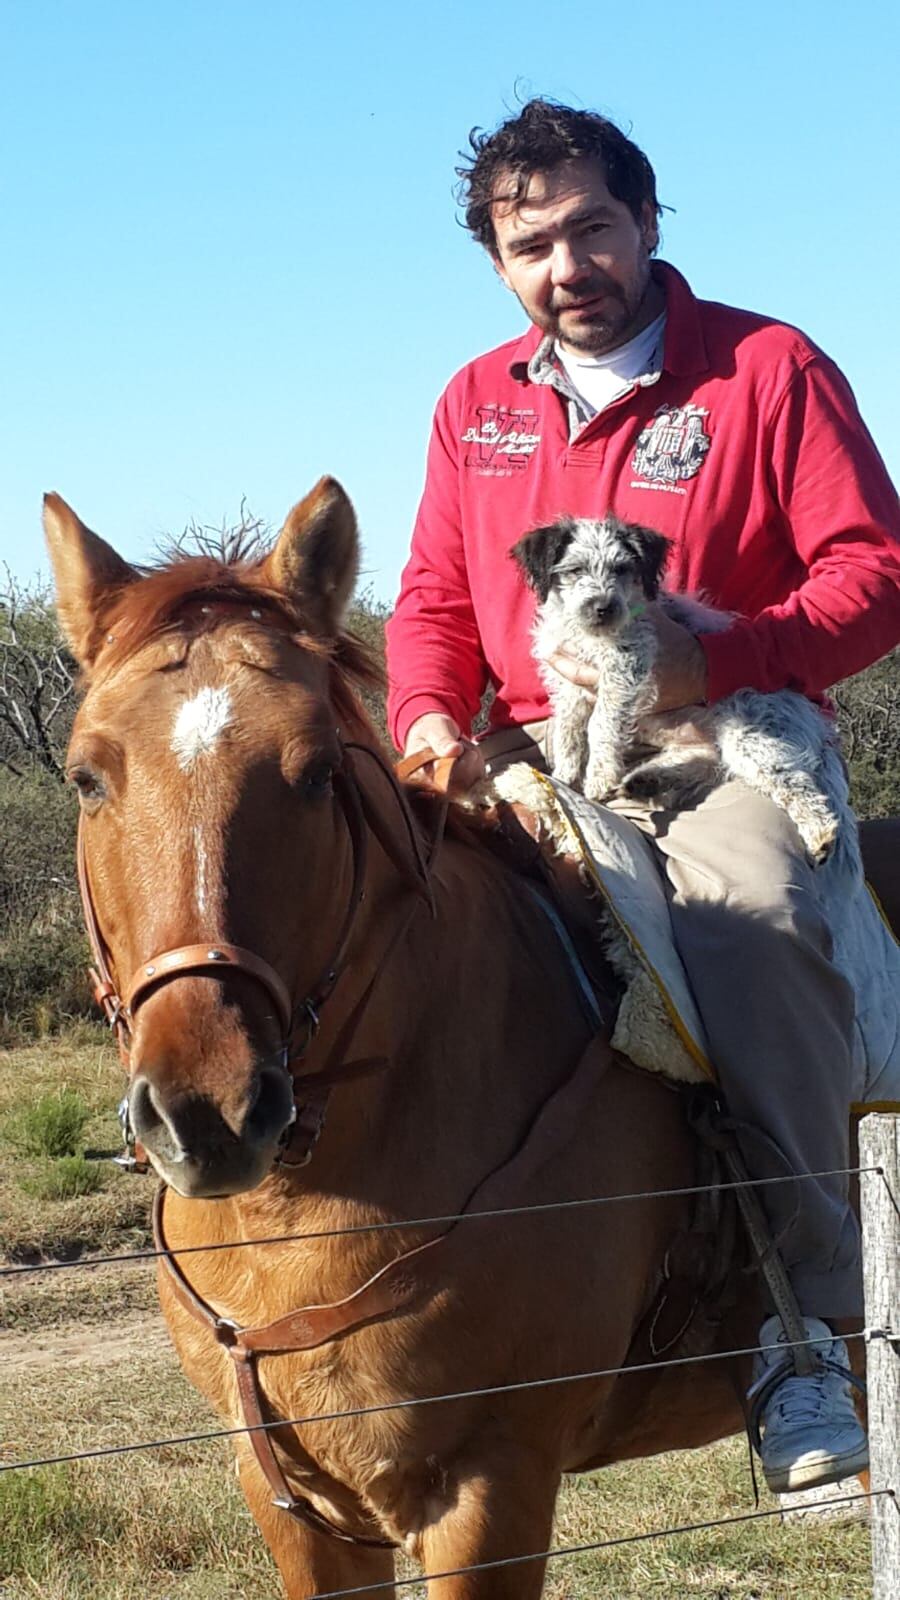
317 779
90 786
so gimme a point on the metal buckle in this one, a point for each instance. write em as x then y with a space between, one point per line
227 1331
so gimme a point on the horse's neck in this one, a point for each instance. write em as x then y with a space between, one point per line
476 1014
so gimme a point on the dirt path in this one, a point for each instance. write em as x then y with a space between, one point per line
93 1344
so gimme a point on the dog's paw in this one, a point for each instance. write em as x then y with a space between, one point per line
601 780
646 783
568 769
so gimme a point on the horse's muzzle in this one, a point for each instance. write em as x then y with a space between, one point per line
192 1146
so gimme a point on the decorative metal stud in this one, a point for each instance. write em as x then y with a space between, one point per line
255 613
214 955
149 971
110 638
205 610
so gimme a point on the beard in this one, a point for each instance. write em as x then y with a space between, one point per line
598 328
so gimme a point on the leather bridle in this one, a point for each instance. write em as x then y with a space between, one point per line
215 957
298 1021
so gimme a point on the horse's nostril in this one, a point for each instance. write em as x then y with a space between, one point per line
145 1117
273 1107
154 1125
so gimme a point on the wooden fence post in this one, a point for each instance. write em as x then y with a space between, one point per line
879 1146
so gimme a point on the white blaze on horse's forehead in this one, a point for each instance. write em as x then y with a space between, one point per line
199 723
201 856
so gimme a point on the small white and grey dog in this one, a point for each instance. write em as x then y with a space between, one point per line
595 581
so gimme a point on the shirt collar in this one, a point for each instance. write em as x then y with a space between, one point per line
685 350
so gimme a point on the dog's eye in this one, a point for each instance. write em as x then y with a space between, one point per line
574 573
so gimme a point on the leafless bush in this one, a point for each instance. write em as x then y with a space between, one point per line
37 681
869 716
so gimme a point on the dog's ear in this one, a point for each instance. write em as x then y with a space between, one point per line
539 551
651 551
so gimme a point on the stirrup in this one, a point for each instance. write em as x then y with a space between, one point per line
760 1393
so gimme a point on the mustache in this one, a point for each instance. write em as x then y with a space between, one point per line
572 301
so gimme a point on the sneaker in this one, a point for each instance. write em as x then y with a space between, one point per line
811 1433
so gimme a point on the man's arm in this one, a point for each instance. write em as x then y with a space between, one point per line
435 660
841 514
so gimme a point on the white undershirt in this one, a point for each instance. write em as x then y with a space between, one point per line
601 379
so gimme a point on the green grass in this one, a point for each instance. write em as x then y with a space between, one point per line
65 1179
85 1363
50 1126
43 1510
80 1079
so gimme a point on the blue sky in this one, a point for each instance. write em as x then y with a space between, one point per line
230 257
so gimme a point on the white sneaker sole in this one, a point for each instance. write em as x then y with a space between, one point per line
815 1470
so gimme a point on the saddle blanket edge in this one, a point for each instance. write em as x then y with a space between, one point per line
659 1026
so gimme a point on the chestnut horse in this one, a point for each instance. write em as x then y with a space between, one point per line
269 905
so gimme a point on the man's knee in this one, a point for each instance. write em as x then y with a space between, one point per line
778 920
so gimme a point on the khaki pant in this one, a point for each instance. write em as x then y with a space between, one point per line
752 935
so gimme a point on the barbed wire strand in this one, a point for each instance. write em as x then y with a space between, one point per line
599 1544
422 1400
431 1222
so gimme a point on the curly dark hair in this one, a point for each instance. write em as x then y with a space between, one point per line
540 138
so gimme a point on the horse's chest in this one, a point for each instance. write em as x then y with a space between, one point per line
351 1456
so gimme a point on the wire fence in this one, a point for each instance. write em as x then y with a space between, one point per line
406 1403
355 1412
445 1219
393 1584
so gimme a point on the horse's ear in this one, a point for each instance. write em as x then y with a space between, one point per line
539 551
315 558
88 574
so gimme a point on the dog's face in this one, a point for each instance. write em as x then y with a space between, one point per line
599 573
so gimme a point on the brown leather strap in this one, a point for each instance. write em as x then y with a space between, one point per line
413 767
411 1277
243 1351
201 958
105 989
261 1441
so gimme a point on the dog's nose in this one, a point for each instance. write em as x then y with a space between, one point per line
604 610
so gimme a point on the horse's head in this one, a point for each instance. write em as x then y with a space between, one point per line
204 753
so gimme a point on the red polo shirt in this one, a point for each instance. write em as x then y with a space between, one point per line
748 452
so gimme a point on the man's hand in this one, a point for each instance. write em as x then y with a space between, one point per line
679 674
438 732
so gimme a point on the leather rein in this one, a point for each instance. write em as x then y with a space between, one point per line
409 1276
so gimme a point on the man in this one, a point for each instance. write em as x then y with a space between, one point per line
738 439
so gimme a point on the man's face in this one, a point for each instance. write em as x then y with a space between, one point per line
576 259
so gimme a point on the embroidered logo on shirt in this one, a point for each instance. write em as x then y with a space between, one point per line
671 448
502 441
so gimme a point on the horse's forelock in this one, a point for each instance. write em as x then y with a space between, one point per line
153 605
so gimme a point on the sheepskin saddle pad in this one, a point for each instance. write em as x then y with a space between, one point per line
658 1025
